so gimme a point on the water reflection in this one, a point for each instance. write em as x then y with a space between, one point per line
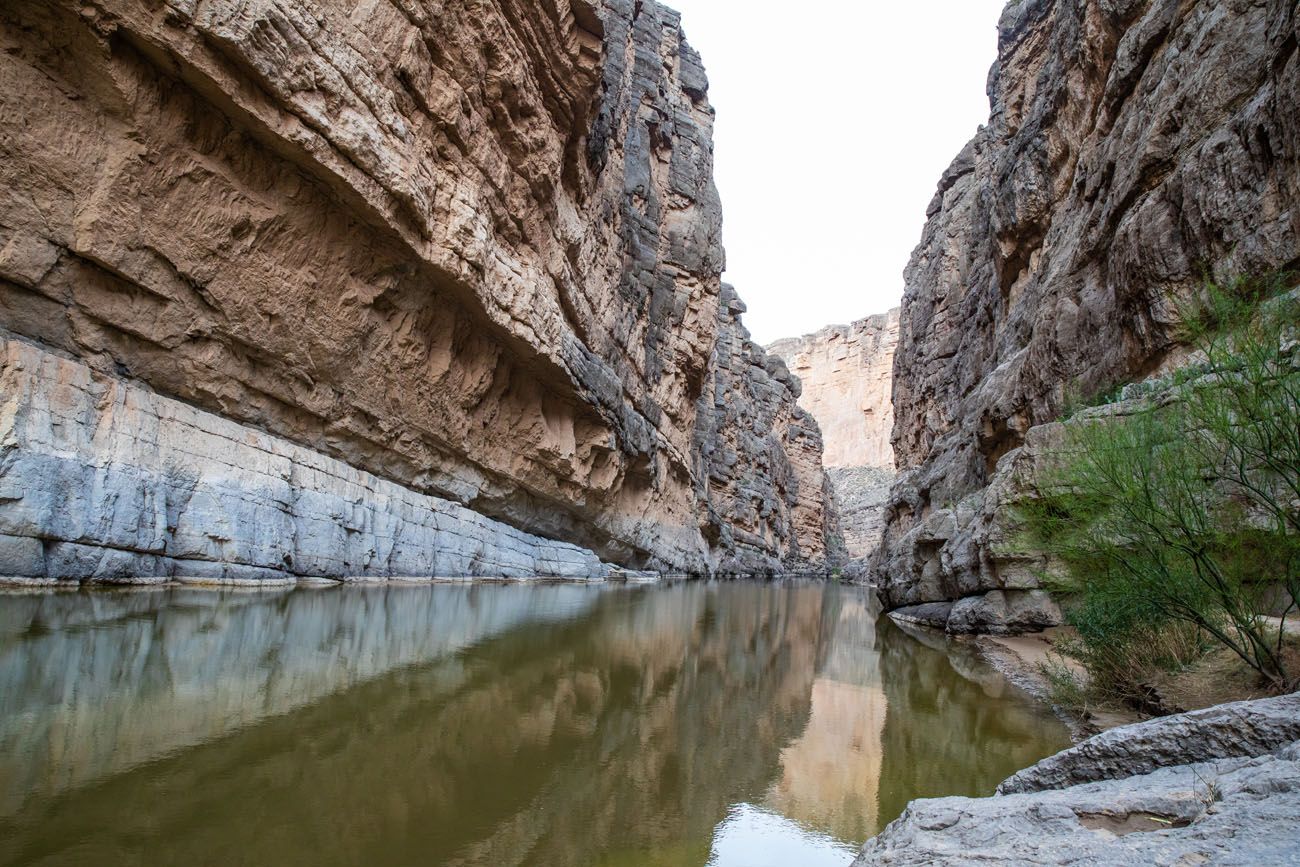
486 725
831 774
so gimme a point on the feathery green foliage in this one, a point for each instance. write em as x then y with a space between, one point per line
1178 518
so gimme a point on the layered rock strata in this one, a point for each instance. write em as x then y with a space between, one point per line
846 372
846 376
468 248
760 454
106 481
861 494
1215 787
1133 148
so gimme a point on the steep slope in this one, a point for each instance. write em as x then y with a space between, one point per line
846 374
1133 147
469 248
762 453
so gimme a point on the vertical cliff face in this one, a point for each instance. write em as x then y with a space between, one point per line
469 248
846 374
1133 147
760 462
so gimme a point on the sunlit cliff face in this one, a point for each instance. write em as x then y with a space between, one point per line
472 249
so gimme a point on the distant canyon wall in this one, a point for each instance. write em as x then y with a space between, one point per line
472 249
846 377
846 374
1134 148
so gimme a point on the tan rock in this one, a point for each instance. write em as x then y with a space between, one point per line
846 373
846 378
471 248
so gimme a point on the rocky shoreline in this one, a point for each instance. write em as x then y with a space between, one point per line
1219 785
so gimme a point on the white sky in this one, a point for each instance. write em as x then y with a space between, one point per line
835 121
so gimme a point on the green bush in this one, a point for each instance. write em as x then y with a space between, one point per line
1180 512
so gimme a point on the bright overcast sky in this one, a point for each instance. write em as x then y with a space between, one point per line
835 121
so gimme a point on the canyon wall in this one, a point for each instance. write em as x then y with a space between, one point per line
846 375
471 249
762 455
1134 148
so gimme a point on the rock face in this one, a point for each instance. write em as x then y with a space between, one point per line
469 248
846 373
1220 787
766 490
1240 729
107 481
860 497
1132 147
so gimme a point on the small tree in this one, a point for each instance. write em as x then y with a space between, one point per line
1185 509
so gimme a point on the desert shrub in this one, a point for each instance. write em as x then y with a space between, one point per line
1178 515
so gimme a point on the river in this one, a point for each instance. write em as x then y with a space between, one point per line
728 724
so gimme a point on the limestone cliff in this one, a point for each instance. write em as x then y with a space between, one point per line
847 372
761 455
1133 147
846 375
471 249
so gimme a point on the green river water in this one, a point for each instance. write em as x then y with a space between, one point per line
737 725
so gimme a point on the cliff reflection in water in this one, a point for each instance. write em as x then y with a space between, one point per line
480 725
897 716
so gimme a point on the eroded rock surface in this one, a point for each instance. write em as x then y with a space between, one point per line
106 481
1214 787
1165 817
861 494
1236 730
761 461
846 375
470 248
1132 147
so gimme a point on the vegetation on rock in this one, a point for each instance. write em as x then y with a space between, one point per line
1176 514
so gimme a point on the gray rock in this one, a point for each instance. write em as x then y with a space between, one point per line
1131 146
1219 786
1245 728
21 557
120 485
1004 612
860 497
1233 812
101 564
932 614
769 503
